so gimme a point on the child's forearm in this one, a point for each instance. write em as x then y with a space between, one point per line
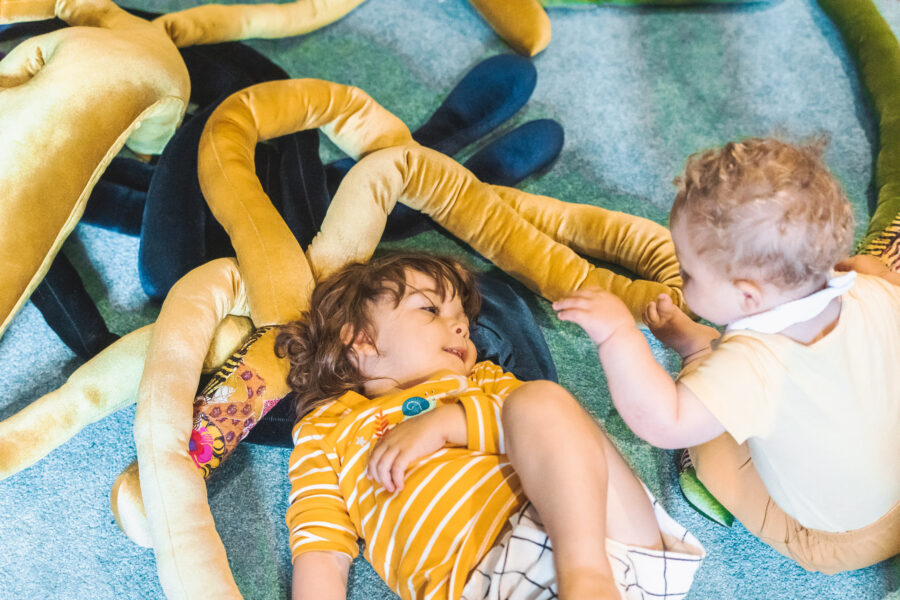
642 391
891 277
320 576
455 424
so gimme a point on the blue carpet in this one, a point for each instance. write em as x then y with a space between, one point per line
637 90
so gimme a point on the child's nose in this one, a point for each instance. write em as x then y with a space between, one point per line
462 329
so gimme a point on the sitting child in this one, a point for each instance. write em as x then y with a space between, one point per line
431 458
803 379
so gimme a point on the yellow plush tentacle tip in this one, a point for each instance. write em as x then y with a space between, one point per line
14 11
213 23
128 507
523 24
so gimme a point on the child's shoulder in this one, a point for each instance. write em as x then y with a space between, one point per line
869 287
328 414
876 303
486 367
492 379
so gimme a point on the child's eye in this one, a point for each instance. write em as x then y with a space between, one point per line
430 308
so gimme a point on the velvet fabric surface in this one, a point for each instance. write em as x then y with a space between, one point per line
112 69
637 90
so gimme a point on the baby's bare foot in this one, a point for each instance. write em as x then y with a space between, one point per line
671 326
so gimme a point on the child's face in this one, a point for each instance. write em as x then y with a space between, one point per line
423 334
708 292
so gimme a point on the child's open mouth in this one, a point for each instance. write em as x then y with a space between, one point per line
458 352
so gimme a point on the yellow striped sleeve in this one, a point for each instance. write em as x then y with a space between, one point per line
317 516
483 427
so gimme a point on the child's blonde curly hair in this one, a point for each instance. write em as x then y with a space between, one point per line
765 209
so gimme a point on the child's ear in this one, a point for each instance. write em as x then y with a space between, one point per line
751 295
362 344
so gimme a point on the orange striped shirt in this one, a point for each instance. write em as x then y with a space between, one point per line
426 538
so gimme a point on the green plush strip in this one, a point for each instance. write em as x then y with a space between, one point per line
699 497
871 42
556 3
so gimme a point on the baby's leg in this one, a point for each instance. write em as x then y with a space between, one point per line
580 485
675 329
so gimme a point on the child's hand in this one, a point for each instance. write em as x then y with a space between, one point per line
411 440
599 313
863 263
868 265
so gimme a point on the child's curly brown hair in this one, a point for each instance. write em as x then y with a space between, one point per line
320 344
764 208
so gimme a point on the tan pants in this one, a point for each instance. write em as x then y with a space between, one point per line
727 471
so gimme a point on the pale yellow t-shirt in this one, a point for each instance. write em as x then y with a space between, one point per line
822 421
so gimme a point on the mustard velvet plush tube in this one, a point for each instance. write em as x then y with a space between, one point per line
100 387
394 168
71 99
278 277
522 24
173 489
212 23
477 214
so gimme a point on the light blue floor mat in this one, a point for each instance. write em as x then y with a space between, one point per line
636 90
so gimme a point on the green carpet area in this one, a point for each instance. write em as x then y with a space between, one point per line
637 90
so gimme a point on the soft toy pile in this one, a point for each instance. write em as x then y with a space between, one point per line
113 80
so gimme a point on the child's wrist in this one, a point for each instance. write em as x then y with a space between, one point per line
453 420
618 333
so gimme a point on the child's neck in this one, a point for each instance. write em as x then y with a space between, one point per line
813 330
375 388
817 327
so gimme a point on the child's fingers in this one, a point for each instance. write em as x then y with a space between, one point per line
374 458
376 461
572 301
574 315
568 315
383 468
651 314
398 471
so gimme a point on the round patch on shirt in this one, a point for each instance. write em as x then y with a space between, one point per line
415 405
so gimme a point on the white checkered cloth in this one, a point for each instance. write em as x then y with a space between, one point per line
520 565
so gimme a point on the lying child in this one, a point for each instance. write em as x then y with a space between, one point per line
452 470
804 378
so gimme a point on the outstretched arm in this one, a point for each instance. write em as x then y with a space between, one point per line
869 265
654 407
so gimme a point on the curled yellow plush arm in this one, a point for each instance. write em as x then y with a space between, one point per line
500 223
639 245
474 212
214 23
100 387
278 278
172 488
